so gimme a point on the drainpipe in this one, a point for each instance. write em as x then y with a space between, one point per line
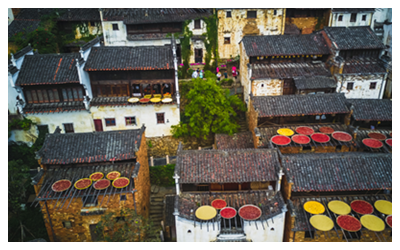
278 183
102 26
383 86
176 70
176 177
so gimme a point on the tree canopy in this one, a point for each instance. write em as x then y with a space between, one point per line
210 109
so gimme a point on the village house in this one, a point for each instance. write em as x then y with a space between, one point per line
371 112
355 61
120 76
341 178
55 90
153 26
351 17
234 24
284 65
72 214
306 20
238 177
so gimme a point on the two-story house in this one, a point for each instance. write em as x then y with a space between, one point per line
153 26
234 24
72 199
351 17
355 61
240 180
284 65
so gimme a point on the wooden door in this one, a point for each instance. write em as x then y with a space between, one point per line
198 55
288 87
98 125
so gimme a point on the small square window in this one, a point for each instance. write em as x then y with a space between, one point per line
68 128
251 14
160 118
274 12
227 40
197 24
67 224
340 18
372 85
130 121
364 17
353 17
115 26
228 14
350 85
110 122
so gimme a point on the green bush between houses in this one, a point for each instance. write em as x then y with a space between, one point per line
162 175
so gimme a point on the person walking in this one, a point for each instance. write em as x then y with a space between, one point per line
194 74
219 76
234 72
201 74
225 74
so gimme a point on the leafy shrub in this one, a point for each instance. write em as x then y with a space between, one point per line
209 74
162 175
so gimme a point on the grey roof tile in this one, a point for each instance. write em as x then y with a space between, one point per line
371 109
236 141
288 70
363 66
315 82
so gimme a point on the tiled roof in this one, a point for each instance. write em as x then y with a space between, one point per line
316 82
371 109
352 10
91 43
358 37
362 134
353 171
22 52
26 26
91 147
230 166
153 15
310 44
302 218
288 70
363 66
122 101
49 69
291 29
271 204
236 141
130 58
289 105
65 14
54 107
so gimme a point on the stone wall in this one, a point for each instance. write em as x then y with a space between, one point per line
142 181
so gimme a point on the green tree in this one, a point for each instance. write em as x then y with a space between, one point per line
18 184
125 227
210 110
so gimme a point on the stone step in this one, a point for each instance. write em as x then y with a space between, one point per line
156 199
156 207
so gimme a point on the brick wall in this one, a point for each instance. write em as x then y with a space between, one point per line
142 182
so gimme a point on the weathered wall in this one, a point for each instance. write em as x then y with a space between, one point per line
346 20
186 232
252 119
142 182
273 232
29 137
94 29
145 114
239 25
81 120
244 72
267 87
361 86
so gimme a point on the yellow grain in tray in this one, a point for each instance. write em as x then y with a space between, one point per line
383 206
285 131
206 212
372 223
314 207
321 222
339 207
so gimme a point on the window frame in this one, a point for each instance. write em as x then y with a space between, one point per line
130 118
251 11
227 41
72 127
157 120
350 84
372 85
228 14
364 17
197 24
340 18
353 17
105 121
115 26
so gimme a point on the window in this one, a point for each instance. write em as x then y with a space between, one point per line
228 14
251 14
67 224
197 24
52 95
122 197
340 18
364 17
350 85
130 121
115 26
68 128
89 201
227 40
160 118
309 234
110 122
372 85
274 12
353 17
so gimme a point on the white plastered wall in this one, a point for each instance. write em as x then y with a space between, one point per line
346 20
273 232
361 87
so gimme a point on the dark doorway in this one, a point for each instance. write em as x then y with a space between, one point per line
288 87
93 233
198 55
98 125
